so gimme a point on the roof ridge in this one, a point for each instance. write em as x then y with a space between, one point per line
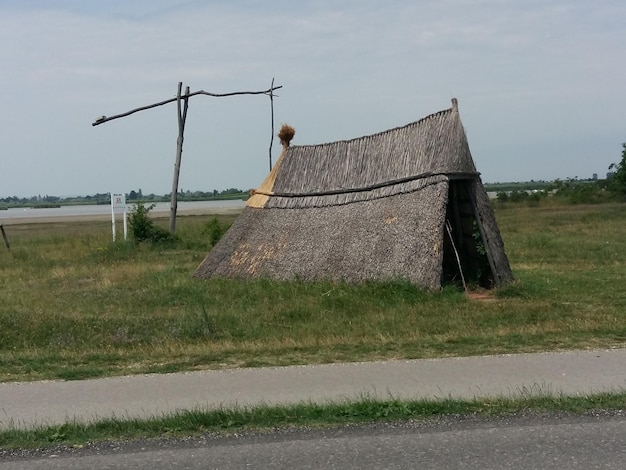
452 109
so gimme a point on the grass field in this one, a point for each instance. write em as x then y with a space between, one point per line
75 305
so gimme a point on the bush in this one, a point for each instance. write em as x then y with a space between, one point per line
215 230
532 198
142 226
577 192
618 182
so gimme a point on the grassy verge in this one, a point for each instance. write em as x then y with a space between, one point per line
227 421
75 305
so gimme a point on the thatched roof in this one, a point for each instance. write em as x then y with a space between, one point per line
399 160
367 208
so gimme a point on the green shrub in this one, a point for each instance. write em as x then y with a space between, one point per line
142 226
518 196
532 198
576 192
502 196
618 181
215 230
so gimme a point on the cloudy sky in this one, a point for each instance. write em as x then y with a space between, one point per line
540 84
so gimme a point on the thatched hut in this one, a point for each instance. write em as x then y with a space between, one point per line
406 203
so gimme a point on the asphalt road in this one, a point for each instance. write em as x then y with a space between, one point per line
526 442
25 405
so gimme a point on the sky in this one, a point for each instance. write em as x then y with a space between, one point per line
540 85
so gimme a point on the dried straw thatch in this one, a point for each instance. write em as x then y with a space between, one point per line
285 134
404 203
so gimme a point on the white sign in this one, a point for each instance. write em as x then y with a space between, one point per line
118 201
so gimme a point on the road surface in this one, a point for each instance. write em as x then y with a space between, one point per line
554 442
25 405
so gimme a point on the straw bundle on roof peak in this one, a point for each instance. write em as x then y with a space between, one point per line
285 134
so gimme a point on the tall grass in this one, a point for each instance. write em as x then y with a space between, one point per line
76 305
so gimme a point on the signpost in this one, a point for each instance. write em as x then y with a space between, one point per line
118 204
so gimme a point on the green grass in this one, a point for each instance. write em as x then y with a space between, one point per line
76 305
228 421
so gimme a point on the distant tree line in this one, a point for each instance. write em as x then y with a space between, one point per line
571 190
132 195
574 190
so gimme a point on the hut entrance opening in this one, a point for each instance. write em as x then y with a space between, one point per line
465 257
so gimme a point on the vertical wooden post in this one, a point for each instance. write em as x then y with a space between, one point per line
272 110
182 117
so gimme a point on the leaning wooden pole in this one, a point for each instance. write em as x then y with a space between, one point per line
4 236
181 110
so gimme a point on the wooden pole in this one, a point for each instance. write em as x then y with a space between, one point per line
456 253
182 117
4 235
272 110
103 119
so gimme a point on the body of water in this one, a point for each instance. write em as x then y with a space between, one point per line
87 210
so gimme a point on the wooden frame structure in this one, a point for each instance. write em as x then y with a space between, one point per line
182 106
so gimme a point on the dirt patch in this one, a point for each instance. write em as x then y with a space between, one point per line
484 296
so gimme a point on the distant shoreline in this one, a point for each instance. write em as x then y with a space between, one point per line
102 217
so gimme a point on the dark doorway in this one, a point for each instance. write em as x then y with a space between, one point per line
465 261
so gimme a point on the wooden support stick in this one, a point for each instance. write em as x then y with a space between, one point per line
4 235
456 253
272 109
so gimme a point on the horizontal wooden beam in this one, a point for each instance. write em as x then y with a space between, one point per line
103 119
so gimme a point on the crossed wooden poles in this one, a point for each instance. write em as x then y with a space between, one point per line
182 104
